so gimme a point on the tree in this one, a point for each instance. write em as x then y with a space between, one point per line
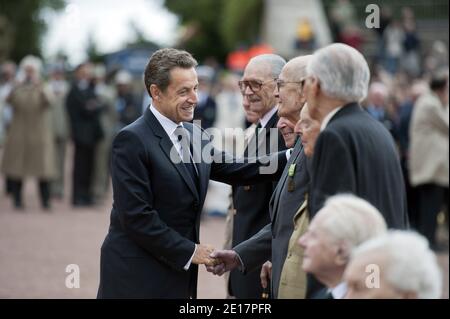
201 20
216 27
241 22
91 50
22 27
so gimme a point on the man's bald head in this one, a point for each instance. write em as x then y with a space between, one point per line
295 69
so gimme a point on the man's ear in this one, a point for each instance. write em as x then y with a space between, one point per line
315 86
342 254
301 96
155 92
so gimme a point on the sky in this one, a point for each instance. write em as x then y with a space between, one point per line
108 22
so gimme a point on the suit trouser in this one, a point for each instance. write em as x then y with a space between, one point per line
44 192
411 196
57 186
432 197
100 175
82 174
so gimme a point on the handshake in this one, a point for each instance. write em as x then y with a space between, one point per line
217 262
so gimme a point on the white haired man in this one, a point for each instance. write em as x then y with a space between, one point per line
354 153
342 224
402 267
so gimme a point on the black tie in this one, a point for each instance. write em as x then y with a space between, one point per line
186 152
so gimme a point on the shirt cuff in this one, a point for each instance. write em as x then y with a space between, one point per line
186 267
241 267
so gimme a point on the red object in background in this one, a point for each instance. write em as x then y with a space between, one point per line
259 49
237 60
352 38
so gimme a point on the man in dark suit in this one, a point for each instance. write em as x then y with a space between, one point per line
84 108
271 242
354 153
160 172
251 202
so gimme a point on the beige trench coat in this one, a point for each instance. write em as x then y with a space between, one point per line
29 148
429 134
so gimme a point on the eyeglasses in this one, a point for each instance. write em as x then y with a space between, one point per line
281 83
254 85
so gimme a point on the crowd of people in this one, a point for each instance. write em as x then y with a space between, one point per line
351 210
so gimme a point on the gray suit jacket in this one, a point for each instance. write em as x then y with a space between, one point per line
252 212
272 241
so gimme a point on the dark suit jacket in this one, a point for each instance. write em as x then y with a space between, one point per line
322 293
251 203
84 121
356 154
155 217
272 242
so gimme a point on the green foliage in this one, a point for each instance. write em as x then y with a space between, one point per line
25 26
220 25
241 22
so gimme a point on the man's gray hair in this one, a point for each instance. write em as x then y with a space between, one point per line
275 62
411 265
352 220
162 62
342 71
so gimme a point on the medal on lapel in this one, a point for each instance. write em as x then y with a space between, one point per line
291 173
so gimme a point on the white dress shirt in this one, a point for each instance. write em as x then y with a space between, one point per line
169 127
339 291
266 118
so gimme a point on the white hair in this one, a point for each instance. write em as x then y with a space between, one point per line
352 219
29 61
342 71
32 62
411 266
275 62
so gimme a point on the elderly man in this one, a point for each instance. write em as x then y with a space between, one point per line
400 265
293 282
251 202
354 153
290 98
272 241
344 222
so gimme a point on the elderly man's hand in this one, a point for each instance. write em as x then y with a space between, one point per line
226 260
266 274
202 255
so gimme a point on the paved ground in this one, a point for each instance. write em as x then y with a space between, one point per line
37 246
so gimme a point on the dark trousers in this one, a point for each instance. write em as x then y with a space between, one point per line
82 174
411 196
44 192
432 199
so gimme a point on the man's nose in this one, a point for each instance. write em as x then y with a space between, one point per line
247 90
193 98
